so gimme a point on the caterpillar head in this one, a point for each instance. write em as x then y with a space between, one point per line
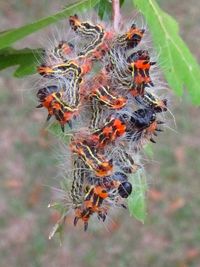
134 36
74 22
125 189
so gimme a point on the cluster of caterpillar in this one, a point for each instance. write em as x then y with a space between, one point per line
103 80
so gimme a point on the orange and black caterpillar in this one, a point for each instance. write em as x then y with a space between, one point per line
95 161
149 100
94 33
113 129
124 160
89 193
96 114
86 29
97 38
139 64
79 179
70 74
96 195
61 51
109 77
117 185
142 124
131 38
92 203
104 95
51 98
64 69
133 73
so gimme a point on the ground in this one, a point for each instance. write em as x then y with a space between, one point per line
170 235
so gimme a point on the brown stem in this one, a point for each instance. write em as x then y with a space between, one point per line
116 16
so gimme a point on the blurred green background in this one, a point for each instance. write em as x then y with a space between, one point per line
171 233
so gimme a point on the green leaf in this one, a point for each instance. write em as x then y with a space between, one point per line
148 149
55 129
12 35
180 67
136 201
26 59
104 9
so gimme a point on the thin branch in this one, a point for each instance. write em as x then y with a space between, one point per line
116 16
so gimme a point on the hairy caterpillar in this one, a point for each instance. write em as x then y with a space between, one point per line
110 79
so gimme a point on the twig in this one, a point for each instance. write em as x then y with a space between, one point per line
116 16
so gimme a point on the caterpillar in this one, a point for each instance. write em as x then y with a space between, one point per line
79 179
92 203
124 160
98 39
62 51
150 100
131 38
107 88
104 96
52 99
95 161
98 199
113 129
